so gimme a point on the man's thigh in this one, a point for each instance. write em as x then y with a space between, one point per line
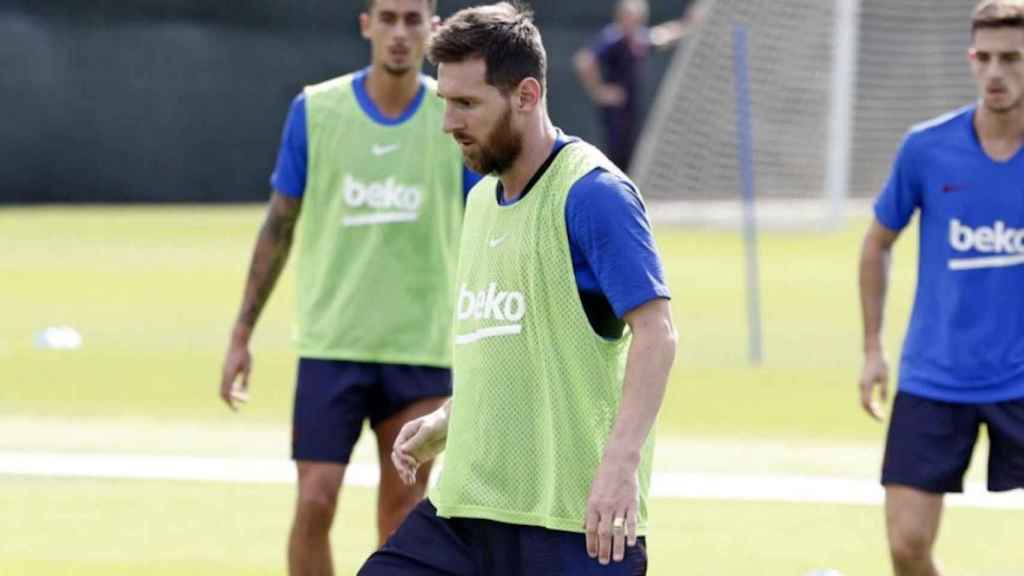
428 545
401 387
1005 423
929 444
567 554
424 545
332 399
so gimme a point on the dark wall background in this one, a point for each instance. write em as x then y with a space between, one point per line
184 100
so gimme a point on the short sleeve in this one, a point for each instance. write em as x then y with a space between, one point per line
608 226
289 177
603 42
902 193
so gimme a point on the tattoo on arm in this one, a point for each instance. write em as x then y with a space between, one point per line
270 255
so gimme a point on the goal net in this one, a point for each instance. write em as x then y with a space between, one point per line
833 86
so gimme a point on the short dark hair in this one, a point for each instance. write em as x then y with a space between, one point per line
998 14
432 4
502 34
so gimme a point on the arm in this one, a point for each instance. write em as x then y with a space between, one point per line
610 232
875 256
420 441
651 354
268 259
614 492
895 206
668 34
589 73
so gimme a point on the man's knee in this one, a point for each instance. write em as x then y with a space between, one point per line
318 494
314 505
909 546
395 505
912 518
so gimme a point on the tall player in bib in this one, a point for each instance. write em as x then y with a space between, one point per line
963 358
563 337
381 193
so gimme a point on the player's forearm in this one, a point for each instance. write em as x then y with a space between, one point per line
268 260
437 436
874 281
651 355
668 34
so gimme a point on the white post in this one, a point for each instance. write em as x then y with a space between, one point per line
844 81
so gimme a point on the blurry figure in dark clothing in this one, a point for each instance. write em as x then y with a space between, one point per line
611 70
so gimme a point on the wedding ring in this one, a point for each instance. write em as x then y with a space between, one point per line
618 525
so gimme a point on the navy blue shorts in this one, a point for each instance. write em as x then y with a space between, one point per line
334 397
428 545
930 443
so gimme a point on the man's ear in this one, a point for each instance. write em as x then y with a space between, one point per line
529 94
364 25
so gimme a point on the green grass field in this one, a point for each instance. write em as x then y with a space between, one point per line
153 292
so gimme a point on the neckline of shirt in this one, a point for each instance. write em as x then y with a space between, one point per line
976 139
560 141
370 108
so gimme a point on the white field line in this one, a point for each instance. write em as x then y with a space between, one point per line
668 485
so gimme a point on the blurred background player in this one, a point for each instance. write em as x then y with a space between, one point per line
380 189
548 433
612 67
963 358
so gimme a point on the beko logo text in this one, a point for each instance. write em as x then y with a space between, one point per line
491 304
995 239
386 195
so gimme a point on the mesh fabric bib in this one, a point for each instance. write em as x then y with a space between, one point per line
536 390
378 233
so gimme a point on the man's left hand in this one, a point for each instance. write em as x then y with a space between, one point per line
611 509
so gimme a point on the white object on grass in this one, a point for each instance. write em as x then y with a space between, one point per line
58 338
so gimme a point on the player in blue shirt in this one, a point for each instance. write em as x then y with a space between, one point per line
963 357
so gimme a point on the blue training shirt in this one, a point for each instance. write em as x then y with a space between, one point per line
289 177
965 342
610 240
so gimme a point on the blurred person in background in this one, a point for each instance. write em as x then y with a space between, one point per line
963 357
611 70
380 190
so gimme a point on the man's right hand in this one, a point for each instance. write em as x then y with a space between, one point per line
234 380
875 373
418 442
610 96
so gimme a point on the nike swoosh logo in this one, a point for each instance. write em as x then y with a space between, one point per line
497 241
382 149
